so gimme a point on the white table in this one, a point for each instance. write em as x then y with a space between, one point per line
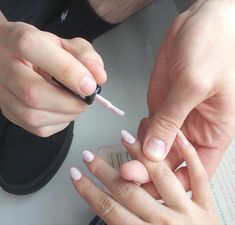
128 52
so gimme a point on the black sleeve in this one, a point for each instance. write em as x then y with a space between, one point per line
78 19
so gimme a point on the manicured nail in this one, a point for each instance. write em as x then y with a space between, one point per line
88 156
127 137
182 138
75 174
88 85
155 149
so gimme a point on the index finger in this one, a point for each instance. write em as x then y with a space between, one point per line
198 177
103 204
46 51
166 183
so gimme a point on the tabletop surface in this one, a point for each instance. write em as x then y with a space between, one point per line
128 52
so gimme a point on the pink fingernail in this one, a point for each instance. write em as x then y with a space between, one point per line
127 137
155 149
88 156
182 138
75 174
88 85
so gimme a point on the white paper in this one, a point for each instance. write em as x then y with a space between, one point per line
223 187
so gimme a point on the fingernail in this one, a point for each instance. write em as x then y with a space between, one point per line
88 156
127 137
75 174
182 138
88 85
155 149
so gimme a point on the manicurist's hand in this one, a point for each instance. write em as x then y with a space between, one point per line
29 58
131 204
192 87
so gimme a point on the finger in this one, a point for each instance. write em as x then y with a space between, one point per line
162 176
37 93
134 171
166 121
197 174
32 117
52 58
45 131
179 90
128 193
182 176
174 158
86 54
103 204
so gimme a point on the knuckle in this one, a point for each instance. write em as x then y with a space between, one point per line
67 70
30 118
29 96
123 190
166 123
25 39
105 206
83 42
198 84
42 132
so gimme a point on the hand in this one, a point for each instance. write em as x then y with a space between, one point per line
192 87
28 60
130 204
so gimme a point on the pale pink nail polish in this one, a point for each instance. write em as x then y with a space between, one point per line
88 156
155 149
127 137
88 85
75 174
182 138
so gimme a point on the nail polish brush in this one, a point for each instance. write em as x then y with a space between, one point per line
94 97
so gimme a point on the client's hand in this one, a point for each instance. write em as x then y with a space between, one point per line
131 204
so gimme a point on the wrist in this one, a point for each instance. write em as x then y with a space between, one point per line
3 19
116 11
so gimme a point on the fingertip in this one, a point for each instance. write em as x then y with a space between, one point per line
183 141
87 85
88 156
97 70
75 174
155 149
127 137
135 171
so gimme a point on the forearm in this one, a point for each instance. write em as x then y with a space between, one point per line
116 11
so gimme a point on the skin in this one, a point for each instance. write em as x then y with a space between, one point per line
116 11
125 206
29 98
192 88
192 84
29 58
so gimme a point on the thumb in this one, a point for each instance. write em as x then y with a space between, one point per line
169 116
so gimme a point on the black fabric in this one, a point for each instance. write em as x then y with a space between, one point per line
37 12
28 162
97 221
80 20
